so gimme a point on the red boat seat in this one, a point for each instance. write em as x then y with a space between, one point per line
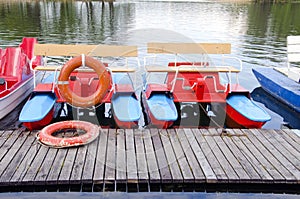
11 62
27 47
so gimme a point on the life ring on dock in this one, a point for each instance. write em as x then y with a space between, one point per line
47 135
69 95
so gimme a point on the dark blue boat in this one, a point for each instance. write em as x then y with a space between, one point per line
280 86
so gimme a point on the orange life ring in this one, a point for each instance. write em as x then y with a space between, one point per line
46 136
70 96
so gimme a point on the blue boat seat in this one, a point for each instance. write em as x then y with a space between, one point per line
248 108
33 113
126 107
162 107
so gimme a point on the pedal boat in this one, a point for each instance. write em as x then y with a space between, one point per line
16 75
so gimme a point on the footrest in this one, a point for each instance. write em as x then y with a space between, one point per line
37 107
248 108
162 107
126 107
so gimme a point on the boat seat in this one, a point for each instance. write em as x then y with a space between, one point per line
32 113
248 108
162 107
10 63
126 107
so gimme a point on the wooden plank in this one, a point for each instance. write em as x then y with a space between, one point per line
121 157
101 157
141 156
257 155
237 167
91 50
276 170
296 132
205 168
110 164
191 161
285 148
218 155
293 49
210 156
77 170
295 139
10 162
34 166
195 69
289 171
293 40
55 169
5 135
89 165
293 57
13 150
165 174
44 169
288 137
59 67
130 157
21 169
171 157
189 48
66 170
186 160
251 156
250 174
153 169
6 141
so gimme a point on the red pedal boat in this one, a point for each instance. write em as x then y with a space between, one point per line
16 75
193 94
84 88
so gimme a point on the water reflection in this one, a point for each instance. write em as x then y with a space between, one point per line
256 31
65 22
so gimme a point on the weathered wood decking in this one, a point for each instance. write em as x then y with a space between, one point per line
155 160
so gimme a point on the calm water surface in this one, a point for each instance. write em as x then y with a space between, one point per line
256 31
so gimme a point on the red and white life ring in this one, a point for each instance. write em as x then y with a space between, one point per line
46 137
69 95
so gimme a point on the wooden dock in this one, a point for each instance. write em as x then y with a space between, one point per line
135 160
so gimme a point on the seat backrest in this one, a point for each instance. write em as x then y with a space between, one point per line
91 50
27 46
189 48
293 48
11 62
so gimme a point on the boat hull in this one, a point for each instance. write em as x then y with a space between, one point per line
160 111
236 120
41 123
9 102
242 112
126 110
279 86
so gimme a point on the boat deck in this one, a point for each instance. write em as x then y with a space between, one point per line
155 160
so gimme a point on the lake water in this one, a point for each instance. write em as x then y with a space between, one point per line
256 31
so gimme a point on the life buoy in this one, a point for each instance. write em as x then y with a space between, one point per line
70 96
46 137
